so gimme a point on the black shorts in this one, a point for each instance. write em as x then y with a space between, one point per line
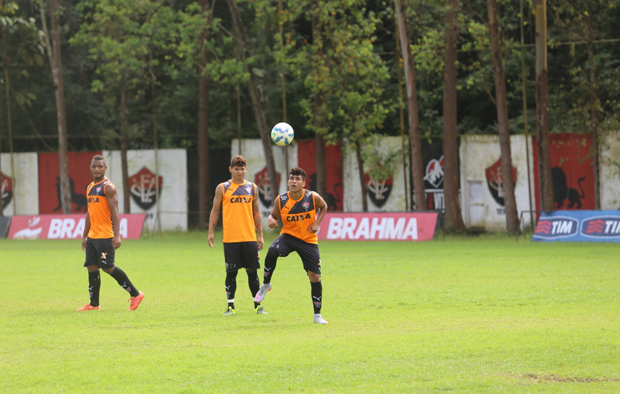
239 255
99 252
309 253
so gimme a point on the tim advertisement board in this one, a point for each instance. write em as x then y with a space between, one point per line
578 226
409 226
68 226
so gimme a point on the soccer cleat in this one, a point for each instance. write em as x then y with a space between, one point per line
260 310
135 301
89 307
229 311
260 295
318 319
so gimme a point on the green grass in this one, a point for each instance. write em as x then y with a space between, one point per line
459 315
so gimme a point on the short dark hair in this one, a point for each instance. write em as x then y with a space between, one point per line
99 157
297 171
238 161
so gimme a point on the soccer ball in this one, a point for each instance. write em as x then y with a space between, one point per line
282 134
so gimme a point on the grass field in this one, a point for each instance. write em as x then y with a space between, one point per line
458 315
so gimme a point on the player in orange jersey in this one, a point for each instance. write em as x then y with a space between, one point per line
101 236
241 222
301 212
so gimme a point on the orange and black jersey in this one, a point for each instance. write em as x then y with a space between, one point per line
99 210
298 215
237 212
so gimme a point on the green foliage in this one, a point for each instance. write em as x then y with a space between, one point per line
466 315
356 74
379 162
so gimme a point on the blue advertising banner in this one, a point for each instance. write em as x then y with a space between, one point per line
578 226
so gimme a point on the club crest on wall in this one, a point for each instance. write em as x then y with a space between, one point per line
6 189
378 191
261 179
434 172
144 188
495 181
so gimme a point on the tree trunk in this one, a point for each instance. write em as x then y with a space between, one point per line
593 114
321 171
412 107
56 65
542 117
256 103
124 147
360 167
203 128
453 216
512 217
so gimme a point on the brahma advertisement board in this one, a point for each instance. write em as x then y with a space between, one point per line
409 226
68 226
578 226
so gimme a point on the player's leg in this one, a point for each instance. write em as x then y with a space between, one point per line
311 259
94 279
279 248
251 263
232 262
107 254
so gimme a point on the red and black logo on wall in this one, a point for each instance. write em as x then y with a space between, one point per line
495 181
6 189
378 191
264 186
145 188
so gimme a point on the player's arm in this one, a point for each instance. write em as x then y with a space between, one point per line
321 210
258 219
86 230
272 221
215 212
112 196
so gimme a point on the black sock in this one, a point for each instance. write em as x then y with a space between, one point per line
231 287
94 284
254 284
270 265
317 295
124 282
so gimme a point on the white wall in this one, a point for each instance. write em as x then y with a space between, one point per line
610 171
25 199
396 200
478 152
172 167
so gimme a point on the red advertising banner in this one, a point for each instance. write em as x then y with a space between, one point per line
49 183
306 159
571 170
68 226
410 226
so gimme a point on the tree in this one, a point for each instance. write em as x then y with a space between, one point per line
53 51
255 97
454 219
583 21
345 79
203 122
512 217
542 115
118 45
415 145
127 40
318 64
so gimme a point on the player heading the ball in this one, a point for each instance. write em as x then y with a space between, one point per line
301 212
